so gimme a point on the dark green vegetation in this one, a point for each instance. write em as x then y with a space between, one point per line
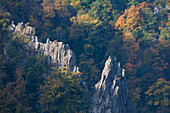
94 29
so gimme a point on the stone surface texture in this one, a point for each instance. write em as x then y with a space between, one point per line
111 94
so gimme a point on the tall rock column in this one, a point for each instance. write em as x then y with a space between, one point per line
111 94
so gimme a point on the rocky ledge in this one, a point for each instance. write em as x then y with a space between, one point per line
59 54
111 95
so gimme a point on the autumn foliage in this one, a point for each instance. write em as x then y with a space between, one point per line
129 30
132 18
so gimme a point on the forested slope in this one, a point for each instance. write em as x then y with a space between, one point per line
136 32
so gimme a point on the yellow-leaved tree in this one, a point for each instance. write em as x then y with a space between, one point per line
61 93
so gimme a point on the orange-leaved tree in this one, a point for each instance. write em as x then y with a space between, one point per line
132 18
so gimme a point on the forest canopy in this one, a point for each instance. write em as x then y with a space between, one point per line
136 32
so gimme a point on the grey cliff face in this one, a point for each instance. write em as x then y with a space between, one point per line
59 54
111 94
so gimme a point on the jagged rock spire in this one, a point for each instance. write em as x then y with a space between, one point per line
110 94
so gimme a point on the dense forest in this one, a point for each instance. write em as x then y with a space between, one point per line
136 32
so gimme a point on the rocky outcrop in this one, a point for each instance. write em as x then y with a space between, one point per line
58 54
157 9
111 94
29 30
19 27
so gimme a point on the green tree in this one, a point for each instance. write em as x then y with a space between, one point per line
13 97
4 19
61 93
157 96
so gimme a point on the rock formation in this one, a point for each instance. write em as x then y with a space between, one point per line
58 54
111 94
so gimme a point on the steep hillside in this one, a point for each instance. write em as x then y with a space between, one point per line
39 63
